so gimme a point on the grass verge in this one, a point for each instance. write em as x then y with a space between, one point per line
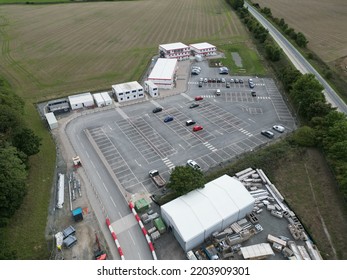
251 62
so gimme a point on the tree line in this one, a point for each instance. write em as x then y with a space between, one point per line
17 143
322 126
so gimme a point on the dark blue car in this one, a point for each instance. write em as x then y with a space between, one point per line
168 119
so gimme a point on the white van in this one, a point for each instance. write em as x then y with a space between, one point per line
218 92
190 256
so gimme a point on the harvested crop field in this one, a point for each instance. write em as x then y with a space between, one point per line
322 22
54 50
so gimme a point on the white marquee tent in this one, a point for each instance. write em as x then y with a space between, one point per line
195 216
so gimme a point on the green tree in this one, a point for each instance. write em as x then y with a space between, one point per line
12 183
266 11
10 121
289 76
184 179
273 52
301 40
26 141
338 150
305 136
306 91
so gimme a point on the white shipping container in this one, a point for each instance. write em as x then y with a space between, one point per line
99 101
107 98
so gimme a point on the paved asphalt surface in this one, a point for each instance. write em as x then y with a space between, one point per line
120 145
299 61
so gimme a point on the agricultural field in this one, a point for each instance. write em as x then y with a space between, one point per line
322 22
55 50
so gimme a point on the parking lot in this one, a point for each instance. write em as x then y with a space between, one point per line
134 140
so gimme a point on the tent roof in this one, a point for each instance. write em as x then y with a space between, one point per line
201 209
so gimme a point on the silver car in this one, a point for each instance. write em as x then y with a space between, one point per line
279 128
193 164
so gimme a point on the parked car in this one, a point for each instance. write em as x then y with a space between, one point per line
250 83
190 122
223 70
196 67
232 80
200 84
193 105
168 119
197 98
218 92
195 72
279 128
240 81
236 81
267 133
201 79
205 80
253 93
227 85
193 164
197 128
223 80
157 110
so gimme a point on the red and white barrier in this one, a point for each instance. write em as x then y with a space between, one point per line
115 238
144 231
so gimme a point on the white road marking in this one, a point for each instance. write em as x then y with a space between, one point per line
98 174
93 164
113 202
87 154
131 237
105 186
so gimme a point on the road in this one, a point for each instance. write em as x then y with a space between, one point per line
298 60
128 232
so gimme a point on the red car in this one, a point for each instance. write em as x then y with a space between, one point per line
197 98
197 128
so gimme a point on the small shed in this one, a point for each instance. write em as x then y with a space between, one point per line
159 224
81 100
107 98
99 101
77 214
51 120
141 205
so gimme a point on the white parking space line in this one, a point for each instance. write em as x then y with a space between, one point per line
104 186
92 163
113 202
97 173
87 154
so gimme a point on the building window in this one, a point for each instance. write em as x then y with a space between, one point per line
121 93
